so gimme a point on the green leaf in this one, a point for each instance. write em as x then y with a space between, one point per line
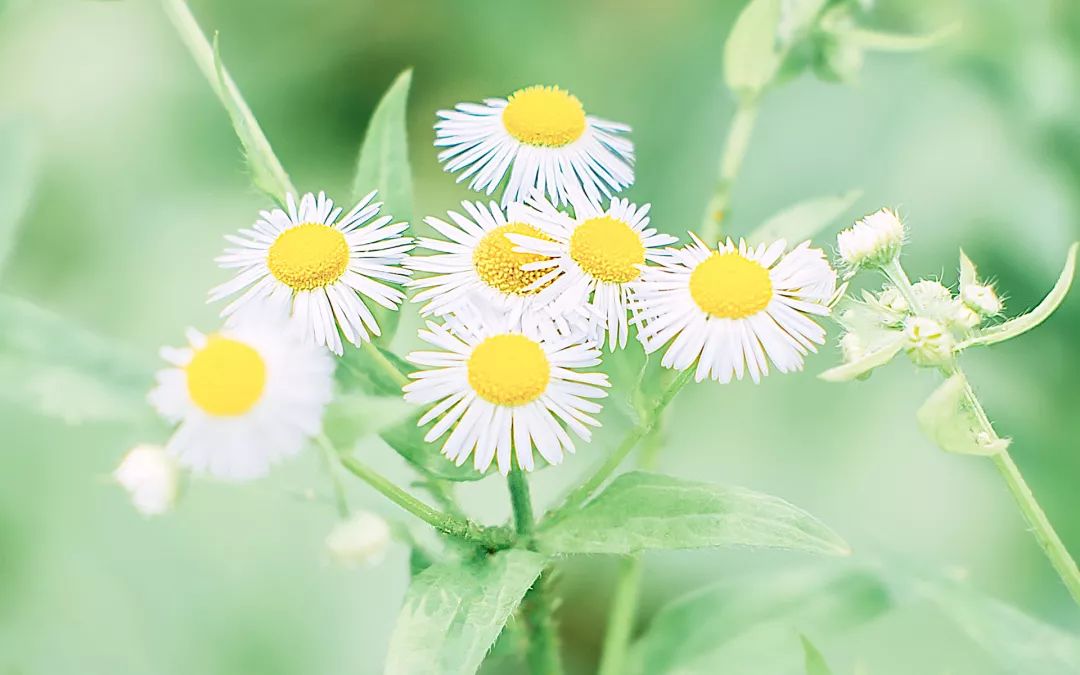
18 163
815 661
894 42
63 371
968 274
352 416
748 624
862 366
804 220
383 165
1024 323
373 370
752 54
407 440
641 511
797 19
948 419
267 174
453 612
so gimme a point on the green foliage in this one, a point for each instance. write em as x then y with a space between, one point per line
804 220
17 168
640 511
407 440
815 661
454 611
355 415
862 366
948 418
752 53
372 370
383 165
63 371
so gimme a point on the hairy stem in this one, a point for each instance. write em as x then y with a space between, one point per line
731 159
543 655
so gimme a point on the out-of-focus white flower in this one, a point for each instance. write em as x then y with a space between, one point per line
360 540
852 347
928 342
981 299
873 241
151 477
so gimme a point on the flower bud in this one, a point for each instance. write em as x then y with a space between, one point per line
151 477
893 300
873 241
981 299
963 317
928 342
362 539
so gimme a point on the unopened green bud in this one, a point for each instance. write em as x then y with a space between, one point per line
928 342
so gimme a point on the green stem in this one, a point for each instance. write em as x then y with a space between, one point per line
1041 528
621 617
731 159
543 652
328 453
643 428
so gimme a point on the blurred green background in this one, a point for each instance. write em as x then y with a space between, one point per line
138 176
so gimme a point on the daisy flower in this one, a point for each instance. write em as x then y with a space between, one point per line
736 308
313 267
242 398
593 257
477 269
543 137
500 391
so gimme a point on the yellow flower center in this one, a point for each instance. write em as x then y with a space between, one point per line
509 369
226 377
545 116
607 249
308 256
499 266
729 286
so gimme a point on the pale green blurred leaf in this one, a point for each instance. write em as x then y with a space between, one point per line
752 54
18 160
383 165
352 416
368 369
454 612
862 366
751 624
968 274
407 440
60 370
894 42
948 419
1024 323
804 220
640 511
797 18
815 661
267 174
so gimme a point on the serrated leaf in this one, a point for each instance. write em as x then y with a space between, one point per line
454 612
407 440
354 415
63 371
748 624
948 419
383 165
266 171
814 660
752 54
18 157
641 511
1024 323
804 220
862 366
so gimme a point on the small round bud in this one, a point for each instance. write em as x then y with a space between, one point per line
929 291
852 347
981 298
151 477
928 342
964 317
362 539
873 241
893 300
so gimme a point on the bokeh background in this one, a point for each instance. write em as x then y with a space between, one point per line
138 176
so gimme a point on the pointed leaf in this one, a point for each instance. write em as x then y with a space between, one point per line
895 42
968 273
815 662
641 511
1024 323
454 612
862 366
373 370
17 174
356 415
804 220
948 419
752 55
407 440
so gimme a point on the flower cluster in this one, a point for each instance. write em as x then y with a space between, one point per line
520 297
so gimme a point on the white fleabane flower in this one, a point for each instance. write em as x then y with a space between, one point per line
500 391
543 137
873 241
151 477
592 258
243 398
928 342
734 309
313 267
360 540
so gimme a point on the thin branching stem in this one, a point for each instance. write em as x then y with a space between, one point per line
731 160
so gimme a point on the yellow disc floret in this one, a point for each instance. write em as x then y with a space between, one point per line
729 286
499 266
509 369
226 377
308 256
607 249
544 116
